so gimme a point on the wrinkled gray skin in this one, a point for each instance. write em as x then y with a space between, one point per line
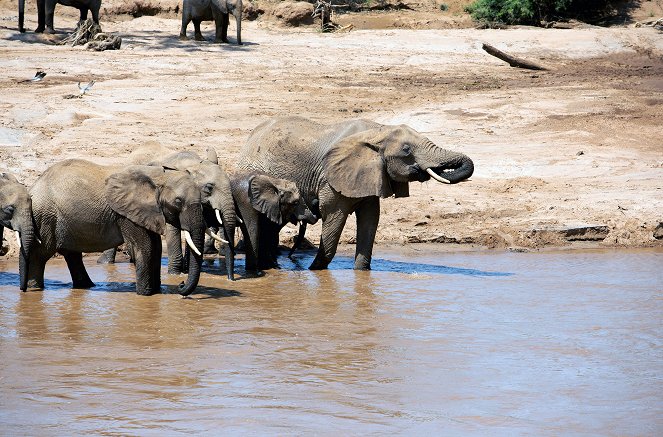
16 214
46 10
348 167
207 10
266 204
79 206
215 194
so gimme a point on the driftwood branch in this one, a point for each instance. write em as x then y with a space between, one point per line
512 61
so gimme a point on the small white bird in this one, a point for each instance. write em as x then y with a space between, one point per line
38 76
85 88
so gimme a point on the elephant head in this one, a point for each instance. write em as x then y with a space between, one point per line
383 160
16 214
277 199
153 196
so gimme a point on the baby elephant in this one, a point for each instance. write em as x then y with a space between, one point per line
266 204
208 10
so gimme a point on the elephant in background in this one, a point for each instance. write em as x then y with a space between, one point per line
16 214
79 206
347 167
207 10
46 11
266 204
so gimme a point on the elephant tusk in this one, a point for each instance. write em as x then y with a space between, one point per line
18 239
189 241
437 177
218 217
239 219
215 236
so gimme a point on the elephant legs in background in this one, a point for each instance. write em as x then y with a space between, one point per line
108 256
174 246
79 276
147 253
368 216
268 244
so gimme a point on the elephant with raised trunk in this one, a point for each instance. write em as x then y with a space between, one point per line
16 214
79 206
266 204
207 10
347 167
46 11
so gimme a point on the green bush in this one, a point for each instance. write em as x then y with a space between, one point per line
533 11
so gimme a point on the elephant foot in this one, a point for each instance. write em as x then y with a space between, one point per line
146 292
318 264
183 37
35 285
83 284
40 29
49 31
200 38
361 263
21 29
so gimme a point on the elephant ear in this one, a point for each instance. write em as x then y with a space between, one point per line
265 197
354 166
133 194
212 156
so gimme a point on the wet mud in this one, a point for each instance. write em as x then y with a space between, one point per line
474 343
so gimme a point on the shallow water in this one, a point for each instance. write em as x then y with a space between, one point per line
489 343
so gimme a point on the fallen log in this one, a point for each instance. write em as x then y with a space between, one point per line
511 60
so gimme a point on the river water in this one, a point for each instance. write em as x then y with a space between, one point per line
470 343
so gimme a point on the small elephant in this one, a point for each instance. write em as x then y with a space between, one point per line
46 10
16 214
207 10
79 206
348 167
266 204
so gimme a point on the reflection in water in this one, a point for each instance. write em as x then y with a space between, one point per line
461 344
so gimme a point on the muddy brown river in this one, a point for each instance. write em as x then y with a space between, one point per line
470 343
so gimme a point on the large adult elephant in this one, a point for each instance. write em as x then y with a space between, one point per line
79 206
266 204
347 167
46 11
16 214
207 10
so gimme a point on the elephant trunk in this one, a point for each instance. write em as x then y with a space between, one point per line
229 224
21 15
196 229
444 165
28 238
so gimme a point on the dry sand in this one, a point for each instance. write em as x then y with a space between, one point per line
568 157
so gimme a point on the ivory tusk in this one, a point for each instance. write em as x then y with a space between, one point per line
189 241
218 217
239 219
215 236
437 177
18 238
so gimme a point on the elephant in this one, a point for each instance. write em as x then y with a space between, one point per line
266 204
347 167
207 10
16 214
216 197
46 10
79 206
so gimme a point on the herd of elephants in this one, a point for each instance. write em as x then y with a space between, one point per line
291 170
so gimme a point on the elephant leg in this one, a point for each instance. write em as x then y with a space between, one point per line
174 246
41 16
186 18
210 247
36 266
146 247
268 244
332 227
368 216
79 276
50 12
83 15
108 256
198 35
95 14
218 24
225 20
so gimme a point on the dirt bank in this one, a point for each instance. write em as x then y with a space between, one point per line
569 156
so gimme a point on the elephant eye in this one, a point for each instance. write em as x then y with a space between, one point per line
178 202
9 210
208 188
407 149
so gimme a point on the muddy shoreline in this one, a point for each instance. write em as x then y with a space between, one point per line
569 157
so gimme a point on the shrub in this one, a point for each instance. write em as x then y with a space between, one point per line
533 11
